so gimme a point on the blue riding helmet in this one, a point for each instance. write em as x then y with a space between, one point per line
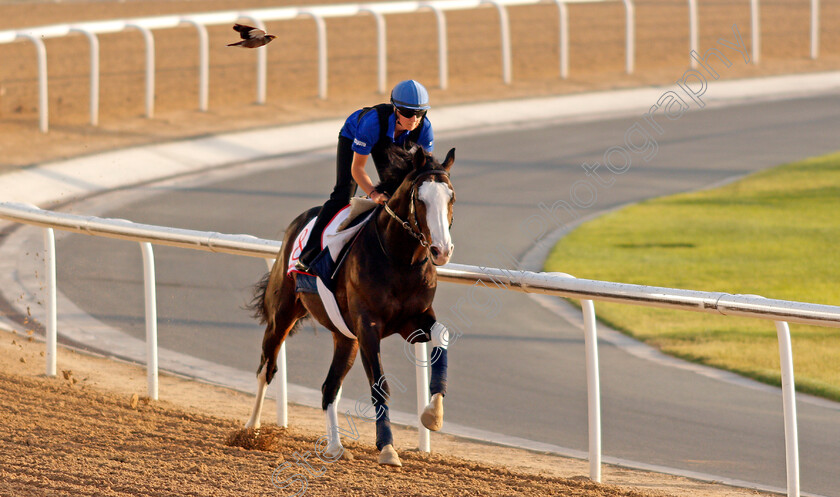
410 94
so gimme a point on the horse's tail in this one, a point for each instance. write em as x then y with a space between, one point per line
257 304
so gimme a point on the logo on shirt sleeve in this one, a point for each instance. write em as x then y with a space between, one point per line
359 143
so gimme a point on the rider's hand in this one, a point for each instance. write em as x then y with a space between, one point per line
379 198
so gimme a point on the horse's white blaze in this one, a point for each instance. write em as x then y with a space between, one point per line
436 197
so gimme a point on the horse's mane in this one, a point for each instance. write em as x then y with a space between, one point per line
401 165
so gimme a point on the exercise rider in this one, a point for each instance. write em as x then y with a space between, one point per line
368 132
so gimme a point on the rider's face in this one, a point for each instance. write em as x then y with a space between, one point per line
408 123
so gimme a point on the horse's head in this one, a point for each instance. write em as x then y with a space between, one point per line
429 195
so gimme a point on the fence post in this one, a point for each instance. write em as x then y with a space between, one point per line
150 68
381 49
282 388
630 37
262 63
52 302
321 28
151 319
815 28
203 64
593 383
563 49
504 27
421 367
43 103
281 378
756 31
692 31
94 73
443 50
789 403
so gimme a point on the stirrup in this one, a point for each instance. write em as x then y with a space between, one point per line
303 267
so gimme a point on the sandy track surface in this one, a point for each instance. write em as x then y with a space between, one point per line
83 433
90 431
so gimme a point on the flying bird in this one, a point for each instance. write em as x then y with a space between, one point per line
251 37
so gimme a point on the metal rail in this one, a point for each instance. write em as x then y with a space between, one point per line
751 306
558 284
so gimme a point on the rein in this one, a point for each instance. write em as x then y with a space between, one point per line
416 234
385 251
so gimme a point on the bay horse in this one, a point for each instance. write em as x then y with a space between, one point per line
385 286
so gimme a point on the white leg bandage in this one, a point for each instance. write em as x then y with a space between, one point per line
332 426
332 422
440 335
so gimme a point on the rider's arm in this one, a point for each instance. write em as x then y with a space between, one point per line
427 136
357 169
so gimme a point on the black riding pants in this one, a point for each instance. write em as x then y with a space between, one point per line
345 188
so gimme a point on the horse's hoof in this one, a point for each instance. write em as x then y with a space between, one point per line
388 456
432 417
335 453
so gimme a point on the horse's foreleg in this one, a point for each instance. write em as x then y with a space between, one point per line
334 448
380 392
432 417
344 354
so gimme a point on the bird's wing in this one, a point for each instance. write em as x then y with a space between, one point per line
248 32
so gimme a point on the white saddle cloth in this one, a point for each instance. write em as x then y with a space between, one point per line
334 238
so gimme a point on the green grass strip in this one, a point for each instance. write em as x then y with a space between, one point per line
775 233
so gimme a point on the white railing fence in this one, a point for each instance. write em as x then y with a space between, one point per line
558 284
318 14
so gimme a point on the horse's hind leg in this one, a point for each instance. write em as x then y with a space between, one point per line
344 354
276 332
380 392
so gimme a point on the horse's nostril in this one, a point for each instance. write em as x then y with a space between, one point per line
435 252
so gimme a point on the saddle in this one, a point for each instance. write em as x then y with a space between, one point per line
336 241
358 206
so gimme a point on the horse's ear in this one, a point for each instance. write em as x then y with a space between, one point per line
449 160
419 158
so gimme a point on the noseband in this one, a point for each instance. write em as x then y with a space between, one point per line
415 231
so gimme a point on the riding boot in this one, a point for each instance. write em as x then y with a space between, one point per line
339 198
313 245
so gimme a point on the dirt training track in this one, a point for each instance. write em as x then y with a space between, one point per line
84 433
89 432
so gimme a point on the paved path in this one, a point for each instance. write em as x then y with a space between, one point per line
654 414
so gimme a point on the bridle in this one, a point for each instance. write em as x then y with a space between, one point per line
415 231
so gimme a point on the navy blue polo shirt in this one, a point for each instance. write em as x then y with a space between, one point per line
365 132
